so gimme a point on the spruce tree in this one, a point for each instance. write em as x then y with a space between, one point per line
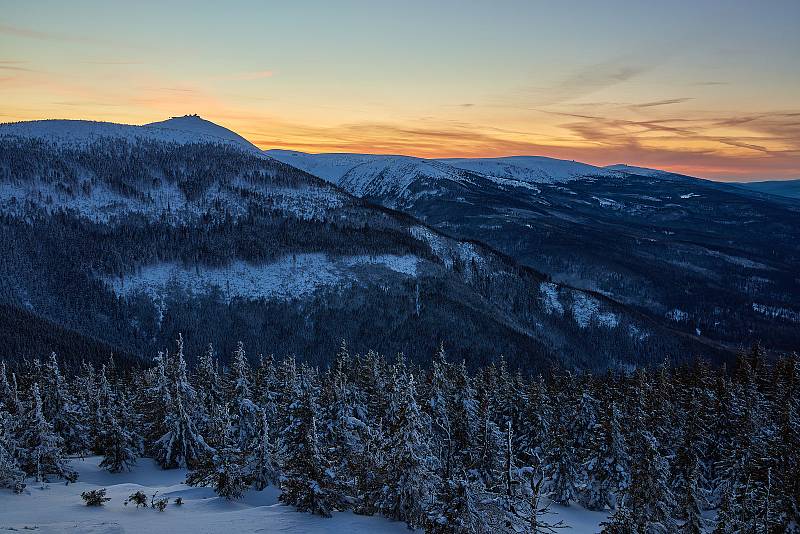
11 475
305 484
122 445
223 470
181 445
261 465
607 465
410 465
43 456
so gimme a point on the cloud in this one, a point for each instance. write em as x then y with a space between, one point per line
665 102
587 81
44 36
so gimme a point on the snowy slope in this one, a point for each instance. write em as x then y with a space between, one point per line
195 125
369 175
180 130
58 508
641 171
530 168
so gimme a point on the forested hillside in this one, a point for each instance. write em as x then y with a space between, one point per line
123 236
671 449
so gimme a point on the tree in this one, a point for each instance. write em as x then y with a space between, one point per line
11 475
410 465
61 409
42 448
456 510
305 483
607 464
223 470
261 462
122 444
181 445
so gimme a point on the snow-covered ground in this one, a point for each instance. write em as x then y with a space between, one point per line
57 507
286 278
179 130
536 169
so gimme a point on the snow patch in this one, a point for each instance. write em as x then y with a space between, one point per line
289 277
586 308
549 298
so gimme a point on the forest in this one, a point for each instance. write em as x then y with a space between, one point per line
445 448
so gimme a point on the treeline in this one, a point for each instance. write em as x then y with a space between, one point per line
441 448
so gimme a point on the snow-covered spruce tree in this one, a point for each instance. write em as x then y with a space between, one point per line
687 480
488 466
9 396
155 403
206 382
181 445
342 433
456 510
621 522
62 410
410 465
11 475
122 445
267 386
464 410
538 418
607 465
246 412
786 444
561 465
224 469
438 409
261 463
43 456
305 483
649 497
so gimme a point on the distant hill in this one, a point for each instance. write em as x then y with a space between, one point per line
782 188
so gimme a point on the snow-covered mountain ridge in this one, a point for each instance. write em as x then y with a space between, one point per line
180 130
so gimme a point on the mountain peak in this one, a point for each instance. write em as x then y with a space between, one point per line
196 124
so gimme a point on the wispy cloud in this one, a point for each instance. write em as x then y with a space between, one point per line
45 36
587 81
657 103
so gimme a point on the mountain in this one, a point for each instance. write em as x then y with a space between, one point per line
782 188
531 169
708 259
127 235
77 133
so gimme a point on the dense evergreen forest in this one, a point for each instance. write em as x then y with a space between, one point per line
687 448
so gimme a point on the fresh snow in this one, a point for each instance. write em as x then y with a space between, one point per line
549 293
77 133
366 175
531 168
58 508
287 278
586 308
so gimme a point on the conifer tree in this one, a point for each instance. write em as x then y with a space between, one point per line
42 448
223 470
122 445
261 465
305 484
607 464
410 465
11 475
181 445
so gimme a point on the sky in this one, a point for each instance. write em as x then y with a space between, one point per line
707 88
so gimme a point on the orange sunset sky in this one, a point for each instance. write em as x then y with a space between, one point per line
710 89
